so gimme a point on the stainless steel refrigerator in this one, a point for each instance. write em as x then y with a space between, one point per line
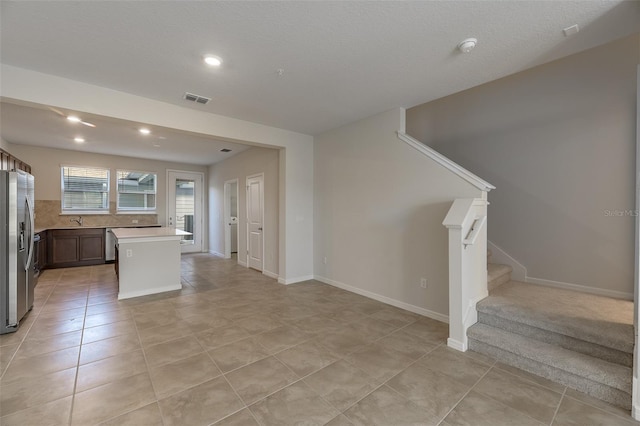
17 278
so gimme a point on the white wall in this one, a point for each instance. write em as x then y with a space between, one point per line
45 166
240 166
558 142
296 159
379 207
4 145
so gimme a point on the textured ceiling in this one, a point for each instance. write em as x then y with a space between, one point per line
342 61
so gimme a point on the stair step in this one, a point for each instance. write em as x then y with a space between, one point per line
553 338
598 320
601 379
497 275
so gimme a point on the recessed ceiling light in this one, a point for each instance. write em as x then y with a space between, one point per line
76 119
212 61
78 140
144 131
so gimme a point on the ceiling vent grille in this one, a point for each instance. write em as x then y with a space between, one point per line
196 98
225 150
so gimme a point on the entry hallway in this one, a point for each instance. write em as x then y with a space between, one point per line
233 347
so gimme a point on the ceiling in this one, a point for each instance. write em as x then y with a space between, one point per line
340 61
48 127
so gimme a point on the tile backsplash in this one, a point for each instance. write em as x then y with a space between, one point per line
48 216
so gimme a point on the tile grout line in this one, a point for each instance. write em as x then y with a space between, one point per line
500 402
22 341
75 381
553 419
466 393
144 355
386 381
612 413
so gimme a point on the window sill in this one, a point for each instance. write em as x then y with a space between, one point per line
136 212
84 213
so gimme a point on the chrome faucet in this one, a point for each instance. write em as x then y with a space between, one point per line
78 220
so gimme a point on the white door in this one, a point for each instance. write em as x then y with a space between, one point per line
255 221
184 207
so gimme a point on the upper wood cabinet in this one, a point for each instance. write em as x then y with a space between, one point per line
9 162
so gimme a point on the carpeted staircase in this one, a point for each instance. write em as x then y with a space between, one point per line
580 340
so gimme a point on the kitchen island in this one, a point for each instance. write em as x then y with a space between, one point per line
147 260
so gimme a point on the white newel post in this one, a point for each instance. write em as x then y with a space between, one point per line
466 222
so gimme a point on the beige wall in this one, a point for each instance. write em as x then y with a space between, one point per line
379 207
250 162
46 164
558 141
4 145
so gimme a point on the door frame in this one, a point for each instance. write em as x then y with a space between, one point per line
264 254
635 391
227 215
200 211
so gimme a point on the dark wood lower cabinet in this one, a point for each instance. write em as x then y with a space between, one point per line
75 247
42 251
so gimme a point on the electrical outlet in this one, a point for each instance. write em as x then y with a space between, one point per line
423 282
134 221
129 253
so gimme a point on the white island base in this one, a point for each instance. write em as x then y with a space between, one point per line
148 260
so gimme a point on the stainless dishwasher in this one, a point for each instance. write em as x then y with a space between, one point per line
109 246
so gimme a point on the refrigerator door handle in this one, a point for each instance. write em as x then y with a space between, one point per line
31 233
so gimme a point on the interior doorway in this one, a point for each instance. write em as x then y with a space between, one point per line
231 219
255 221
184 207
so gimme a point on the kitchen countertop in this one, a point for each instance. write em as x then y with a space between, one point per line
53 228
126 233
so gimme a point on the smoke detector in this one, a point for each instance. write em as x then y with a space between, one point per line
196 98
467 45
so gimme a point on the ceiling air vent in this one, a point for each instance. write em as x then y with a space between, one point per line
196 98
225 150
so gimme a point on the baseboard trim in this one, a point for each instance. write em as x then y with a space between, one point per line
384 299
287 281
148 291
635 407
241 263
457 345
270 274
581 288
498 255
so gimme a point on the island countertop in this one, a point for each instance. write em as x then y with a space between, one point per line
143 233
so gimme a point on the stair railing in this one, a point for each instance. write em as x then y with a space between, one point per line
466 222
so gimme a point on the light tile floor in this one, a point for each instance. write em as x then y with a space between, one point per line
233 347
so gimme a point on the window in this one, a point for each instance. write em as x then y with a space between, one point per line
136 190
85 189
